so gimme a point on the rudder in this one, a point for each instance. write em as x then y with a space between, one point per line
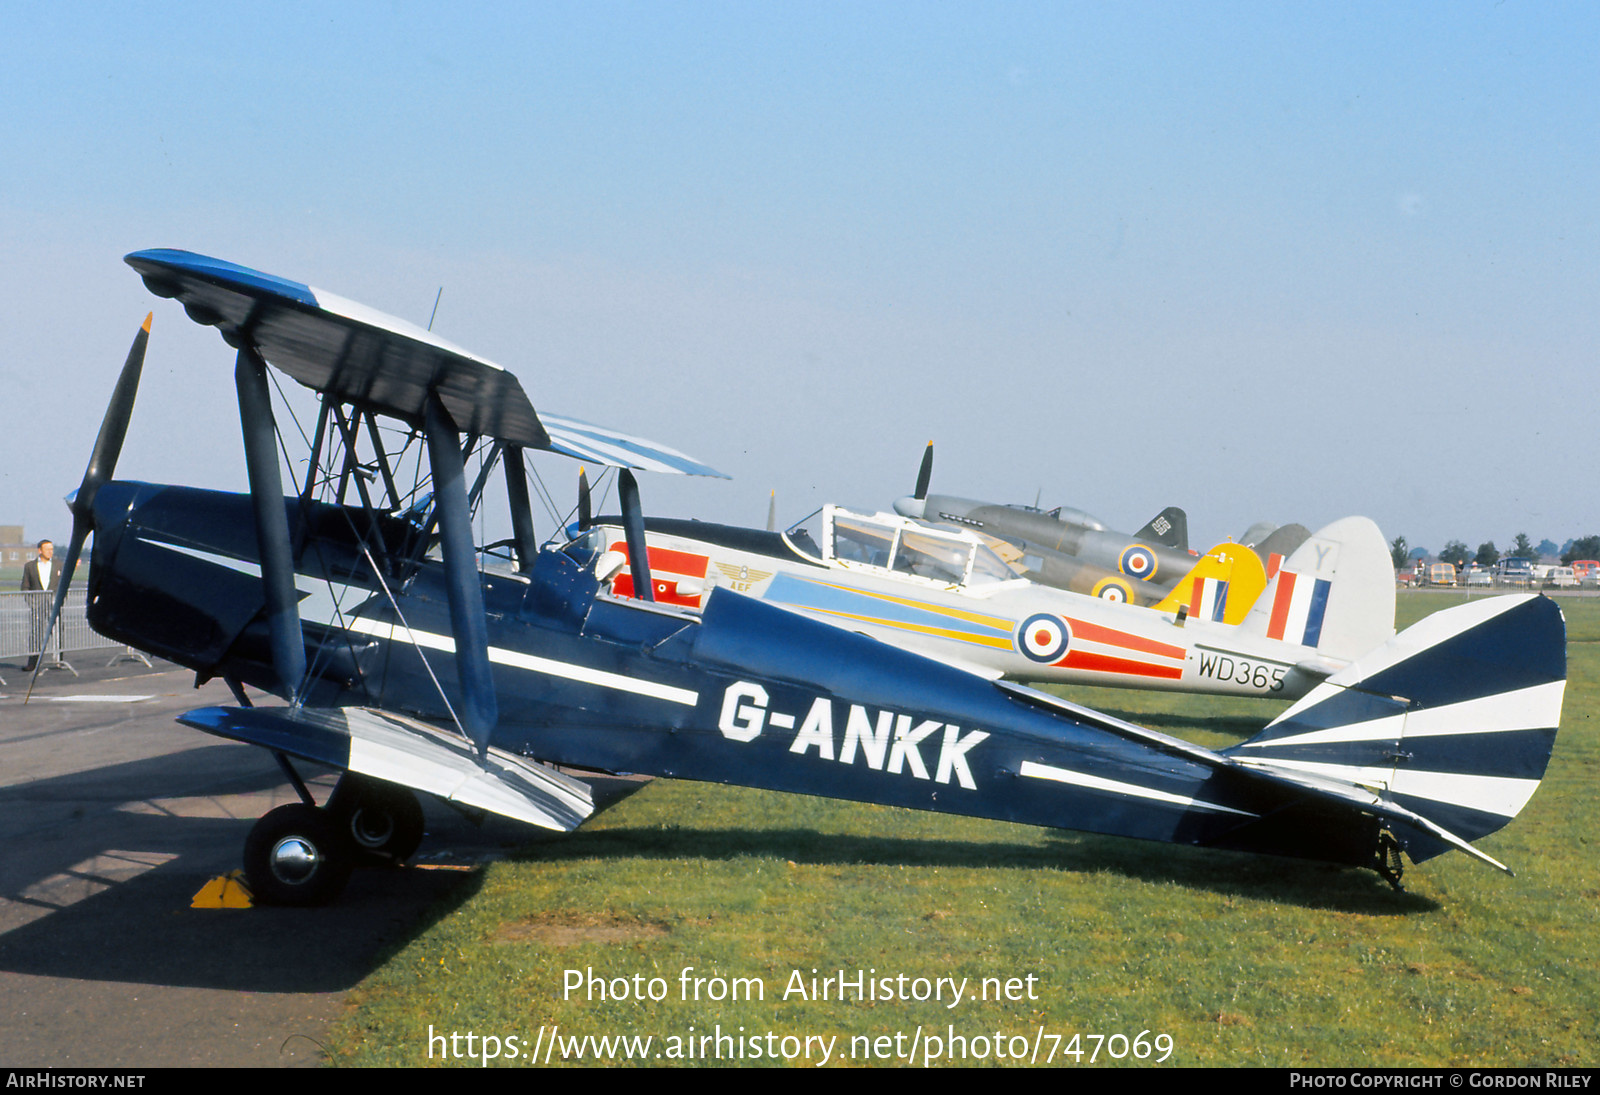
1334 593
1453 719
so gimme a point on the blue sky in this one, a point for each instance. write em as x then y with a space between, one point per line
1263 261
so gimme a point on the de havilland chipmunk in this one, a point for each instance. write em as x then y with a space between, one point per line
940 591
402 660
1071 550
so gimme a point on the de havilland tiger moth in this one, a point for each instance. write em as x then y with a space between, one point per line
399 659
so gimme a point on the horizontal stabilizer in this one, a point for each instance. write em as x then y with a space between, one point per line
1368 801
357 354
1442 734
1333 792
409 753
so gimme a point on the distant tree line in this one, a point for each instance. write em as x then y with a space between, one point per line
1458 554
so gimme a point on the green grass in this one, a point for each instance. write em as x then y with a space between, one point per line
1240 959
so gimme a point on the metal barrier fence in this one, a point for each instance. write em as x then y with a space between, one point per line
22 621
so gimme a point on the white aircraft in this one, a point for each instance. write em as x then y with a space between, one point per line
944 593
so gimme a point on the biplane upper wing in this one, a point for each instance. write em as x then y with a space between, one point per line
360 355
602 445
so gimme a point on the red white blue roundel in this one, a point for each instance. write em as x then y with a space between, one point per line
1044 638
1137 561
1112 589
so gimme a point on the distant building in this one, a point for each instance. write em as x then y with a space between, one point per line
15 547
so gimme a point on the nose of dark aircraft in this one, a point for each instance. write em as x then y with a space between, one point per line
114 503
171 569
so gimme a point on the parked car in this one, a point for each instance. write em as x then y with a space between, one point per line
1587 571
1439 574
1475 575
1406 576
1560 578
1515 571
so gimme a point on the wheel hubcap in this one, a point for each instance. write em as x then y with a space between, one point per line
294 859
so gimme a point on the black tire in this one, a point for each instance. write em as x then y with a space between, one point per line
383 822
296 856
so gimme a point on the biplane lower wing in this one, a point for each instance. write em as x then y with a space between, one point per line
404 751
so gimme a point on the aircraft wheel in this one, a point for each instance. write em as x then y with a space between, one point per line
295 856
383 821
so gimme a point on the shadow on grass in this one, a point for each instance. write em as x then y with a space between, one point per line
1233 874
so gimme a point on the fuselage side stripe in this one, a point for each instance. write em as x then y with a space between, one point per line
1034 770
1105 663
1083 629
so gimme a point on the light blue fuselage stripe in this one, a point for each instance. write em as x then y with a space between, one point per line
789 590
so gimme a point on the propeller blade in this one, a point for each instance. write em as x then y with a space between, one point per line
114 427
102 466
772 512
585 512
924 474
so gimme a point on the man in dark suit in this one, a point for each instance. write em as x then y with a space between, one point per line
40 575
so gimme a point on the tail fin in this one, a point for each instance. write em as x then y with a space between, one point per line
1282 543
1449 724
1222 585
1170 528
1335 593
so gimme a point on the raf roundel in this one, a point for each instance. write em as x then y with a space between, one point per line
1043 637
1137 561
1114 590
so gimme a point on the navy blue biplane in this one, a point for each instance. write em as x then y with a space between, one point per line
411 662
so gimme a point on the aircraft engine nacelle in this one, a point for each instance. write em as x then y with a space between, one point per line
175 573
158 581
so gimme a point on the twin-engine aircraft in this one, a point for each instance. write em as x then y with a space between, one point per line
405 662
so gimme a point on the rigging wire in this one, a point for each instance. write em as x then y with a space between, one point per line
361 539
